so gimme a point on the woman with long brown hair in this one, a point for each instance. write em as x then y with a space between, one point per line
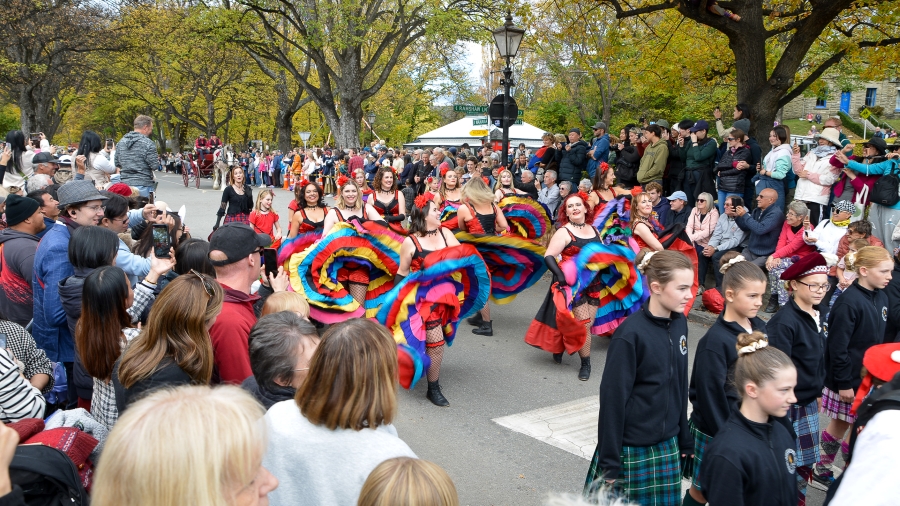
174 348
109 310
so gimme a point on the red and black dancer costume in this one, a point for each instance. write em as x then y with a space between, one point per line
391 211
424 308
595 284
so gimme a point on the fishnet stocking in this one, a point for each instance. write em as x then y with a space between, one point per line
585 312
358 292
435 353
486 312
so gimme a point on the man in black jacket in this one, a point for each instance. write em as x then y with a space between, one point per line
574 157
679 210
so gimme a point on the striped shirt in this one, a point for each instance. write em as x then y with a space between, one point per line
18 398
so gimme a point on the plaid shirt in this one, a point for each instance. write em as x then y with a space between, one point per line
103 401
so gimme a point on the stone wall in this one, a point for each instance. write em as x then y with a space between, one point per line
886 97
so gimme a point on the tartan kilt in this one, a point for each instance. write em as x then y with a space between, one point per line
238 218
649 475
833 407
805 420
701 441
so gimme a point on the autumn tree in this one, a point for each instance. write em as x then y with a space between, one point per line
779 49
354 46
44 51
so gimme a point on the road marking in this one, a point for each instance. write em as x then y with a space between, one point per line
571 426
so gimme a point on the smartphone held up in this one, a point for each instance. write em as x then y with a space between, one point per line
161 241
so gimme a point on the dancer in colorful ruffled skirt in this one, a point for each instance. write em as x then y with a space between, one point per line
439 281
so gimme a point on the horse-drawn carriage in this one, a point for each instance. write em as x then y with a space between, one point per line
213 166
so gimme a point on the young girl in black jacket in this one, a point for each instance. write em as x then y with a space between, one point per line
855 323
643 428
752 460
798 331
711 392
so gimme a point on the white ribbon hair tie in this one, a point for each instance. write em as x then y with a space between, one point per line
757 345
735 260
645 261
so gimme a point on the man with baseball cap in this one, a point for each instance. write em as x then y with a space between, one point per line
599 152
234 251
699 155
82 206
18 244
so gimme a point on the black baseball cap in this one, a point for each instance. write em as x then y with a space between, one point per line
44 157
237 241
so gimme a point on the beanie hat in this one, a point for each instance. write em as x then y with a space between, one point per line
120 189
19 209
743 124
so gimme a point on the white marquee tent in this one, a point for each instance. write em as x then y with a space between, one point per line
472 129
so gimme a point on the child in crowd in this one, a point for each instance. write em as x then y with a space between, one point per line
264 220
404 481
640 447
856 322
752 460
286 301
798 330
711 393
845 276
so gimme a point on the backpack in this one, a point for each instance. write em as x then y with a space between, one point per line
886 190
47 477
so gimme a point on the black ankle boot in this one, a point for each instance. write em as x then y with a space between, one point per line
476 320
772 307
486 329
557 357
584 373
435 396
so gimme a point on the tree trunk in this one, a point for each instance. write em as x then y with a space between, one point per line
39 113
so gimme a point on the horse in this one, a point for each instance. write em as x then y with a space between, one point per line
223 163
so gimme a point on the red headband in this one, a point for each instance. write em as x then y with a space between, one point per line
303 183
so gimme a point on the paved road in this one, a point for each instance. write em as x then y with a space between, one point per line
494 453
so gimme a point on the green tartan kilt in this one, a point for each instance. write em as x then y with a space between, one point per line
649 475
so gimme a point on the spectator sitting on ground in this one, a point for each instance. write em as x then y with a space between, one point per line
234 252
661 206
790 247
281 348
700 227
764 225
726 237
827 235
404 481
189 445
527 184
343 410
549 194
679 210
857 230
585 186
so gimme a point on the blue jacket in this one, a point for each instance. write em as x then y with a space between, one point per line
880 168
764 226
135 266
601 154
51 265
48 224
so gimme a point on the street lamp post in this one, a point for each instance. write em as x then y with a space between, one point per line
507 38
371 118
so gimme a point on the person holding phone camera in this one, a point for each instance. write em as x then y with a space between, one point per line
15 160
94 159
234 251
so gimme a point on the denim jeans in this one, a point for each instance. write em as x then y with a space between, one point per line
721 200
144 190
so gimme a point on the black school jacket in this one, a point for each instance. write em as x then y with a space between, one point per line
856 322
643 392
750 464
793 331
711 393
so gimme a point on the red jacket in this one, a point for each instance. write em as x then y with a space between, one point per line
201 142
230 336
790 244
